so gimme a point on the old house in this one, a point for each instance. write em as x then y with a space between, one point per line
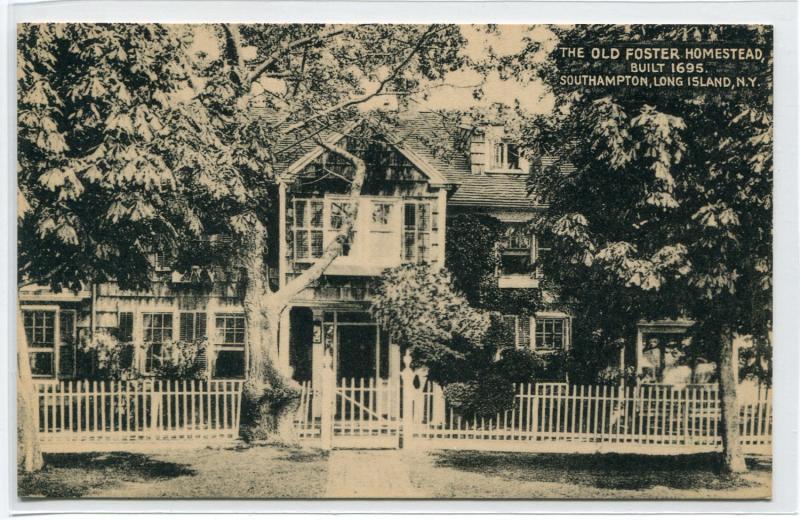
421 173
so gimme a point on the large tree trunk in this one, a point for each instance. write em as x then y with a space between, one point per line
271 397
732 459
29 452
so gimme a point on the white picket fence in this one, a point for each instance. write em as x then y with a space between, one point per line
562 417
362 413
76 415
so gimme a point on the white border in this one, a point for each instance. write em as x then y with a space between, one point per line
783 15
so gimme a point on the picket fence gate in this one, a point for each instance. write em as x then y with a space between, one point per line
86 415
554 417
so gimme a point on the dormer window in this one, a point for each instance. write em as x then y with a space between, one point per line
505 156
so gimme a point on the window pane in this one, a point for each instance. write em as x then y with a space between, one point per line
40 328
409 241
316 214
299 213
316 244
423 216
42 364
381 213
410 215
301 244
125 327
512 156
229 363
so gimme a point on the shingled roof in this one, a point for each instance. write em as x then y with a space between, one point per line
432 137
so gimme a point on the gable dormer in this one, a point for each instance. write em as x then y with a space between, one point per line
492 151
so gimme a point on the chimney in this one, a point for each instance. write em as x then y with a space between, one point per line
477 150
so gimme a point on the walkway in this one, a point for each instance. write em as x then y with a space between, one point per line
369 474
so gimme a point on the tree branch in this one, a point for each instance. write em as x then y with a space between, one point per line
334 248
363 99
272 58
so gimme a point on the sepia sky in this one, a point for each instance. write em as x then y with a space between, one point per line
456 92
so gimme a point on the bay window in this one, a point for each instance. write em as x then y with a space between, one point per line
388 230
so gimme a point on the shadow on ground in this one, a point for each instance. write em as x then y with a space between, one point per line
606 471
71 475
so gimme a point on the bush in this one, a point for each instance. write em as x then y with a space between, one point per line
103 357
484 397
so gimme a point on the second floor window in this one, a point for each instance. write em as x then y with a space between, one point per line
416 232
308 229
339 211
516 252
505 156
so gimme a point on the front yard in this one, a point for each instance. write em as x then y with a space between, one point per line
273 472
454 474
256 472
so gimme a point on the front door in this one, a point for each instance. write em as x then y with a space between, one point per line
358 352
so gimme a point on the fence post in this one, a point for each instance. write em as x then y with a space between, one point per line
407 376
328 402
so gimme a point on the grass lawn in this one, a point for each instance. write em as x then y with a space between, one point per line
255 472
458 474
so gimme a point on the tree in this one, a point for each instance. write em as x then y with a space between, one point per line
130 139
660 204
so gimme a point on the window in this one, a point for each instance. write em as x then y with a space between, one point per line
192 326
338 213
161 259
381 214
540 246
229 346
125 327
157 330
416 231
505 156
384 233
550 333
40 331
515 252
307 228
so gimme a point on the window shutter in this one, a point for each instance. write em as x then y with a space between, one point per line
125 327
523 332
200 326
186 327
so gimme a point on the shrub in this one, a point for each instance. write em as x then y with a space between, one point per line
485 397
103 357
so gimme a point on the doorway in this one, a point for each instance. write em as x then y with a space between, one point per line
358 351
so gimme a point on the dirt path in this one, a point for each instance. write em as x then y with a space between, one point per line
369 474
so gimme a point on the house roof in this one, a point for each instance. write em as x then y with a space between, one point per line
429 141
